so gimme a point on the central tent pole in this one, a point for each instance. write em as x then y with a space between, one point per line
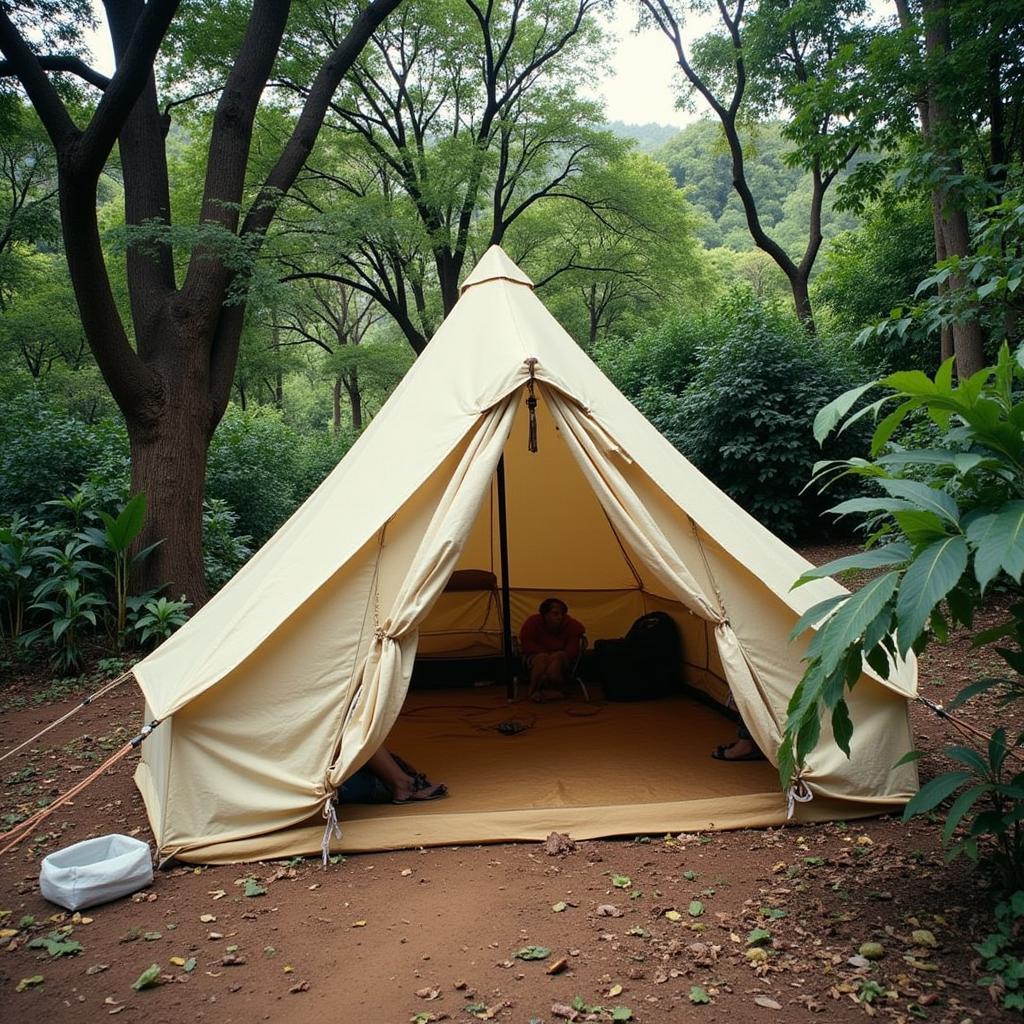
506 611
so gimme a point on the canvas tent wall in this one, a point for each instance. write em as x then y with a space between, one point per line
297 670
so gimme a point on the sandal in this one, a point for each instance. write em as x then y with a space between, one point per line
719 754
439 791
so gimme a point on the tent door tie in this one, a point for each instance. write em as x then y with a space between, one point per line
531 402
799 793
332 829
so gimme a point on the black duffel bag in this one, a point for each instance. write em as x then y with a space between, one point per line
644 664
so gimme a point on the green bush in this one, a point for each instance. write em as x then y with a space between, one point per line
44 453
745 417
264 469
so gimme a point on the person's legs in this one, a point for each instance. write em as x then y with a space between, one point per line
402 786
538 665
743 748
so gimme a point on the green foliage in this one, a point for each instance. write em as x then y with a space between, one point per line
1003 953
743 418
699 161
264 469
114 540
158 618
44 453
946 522
869 271
992 293
225 551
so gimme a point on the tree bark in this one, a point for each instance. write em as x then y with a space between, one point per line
968 343
174 385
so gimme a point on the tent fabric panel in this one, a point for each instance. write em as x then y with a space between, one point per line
249 754
559 537
383 678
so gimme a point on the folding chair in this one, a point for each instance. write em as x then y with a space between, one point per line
575 675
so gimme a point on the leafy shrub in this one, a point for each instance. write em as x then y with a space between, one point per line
156 619
660 360
224 550
1003 954
745 418
44 453
265 469
947 523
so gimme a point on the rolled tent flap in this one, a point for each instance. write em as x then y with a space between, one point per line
382 680
595 451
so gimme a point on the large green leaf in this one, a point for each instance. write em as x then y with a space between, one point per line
920 526
815 613
850 621
123 530
923 497
874 558
870 505
831 414
1009 532
988 555
911 382
931 576
931 794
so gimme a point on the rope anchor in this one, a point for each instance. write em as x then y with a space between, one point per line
531 402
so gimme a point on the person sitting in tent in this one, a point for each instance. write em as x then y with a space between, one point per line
550 642
386 778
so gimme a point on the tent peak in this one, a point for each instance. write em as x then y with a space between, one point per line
495 265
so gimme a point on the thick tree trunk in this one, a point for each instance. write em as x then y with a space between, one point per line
169 467
967 337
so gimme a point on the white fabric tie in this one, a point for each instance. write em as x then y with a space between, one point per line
332 828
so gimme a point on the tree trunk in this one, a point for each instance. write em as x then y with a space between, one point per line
967 337
169 467
337 406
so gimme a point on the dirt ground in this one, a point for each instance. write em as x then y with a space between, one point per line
731 926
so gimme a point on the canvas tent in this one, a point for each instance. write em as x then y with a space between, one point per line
297 670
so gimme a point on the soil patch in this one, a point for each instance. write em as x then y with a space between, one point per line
644 926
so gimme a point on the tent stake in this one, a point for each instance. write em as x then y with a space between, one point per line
506 611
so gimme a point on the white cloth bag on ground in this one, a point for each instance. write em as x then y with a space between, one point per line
95 871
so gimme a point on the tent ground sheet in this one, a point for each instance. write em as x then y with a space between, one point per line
587 769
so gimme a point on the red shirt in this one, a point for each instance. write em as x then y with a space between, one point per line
536 638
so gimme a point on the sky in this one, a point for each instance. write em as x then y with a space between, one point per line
641 85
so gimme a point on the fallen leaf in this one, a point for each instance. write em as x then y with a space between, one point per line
615 990
217 894
621 881
97 968
696 908
27 983
178 961
406 872
699 995
673 915
358 924
253 888
558 966
302 986
148 978
532 953
767 1002
428 993
207 918
556 907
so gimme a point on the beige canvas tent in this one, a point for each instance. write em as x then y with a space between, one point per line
299 668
